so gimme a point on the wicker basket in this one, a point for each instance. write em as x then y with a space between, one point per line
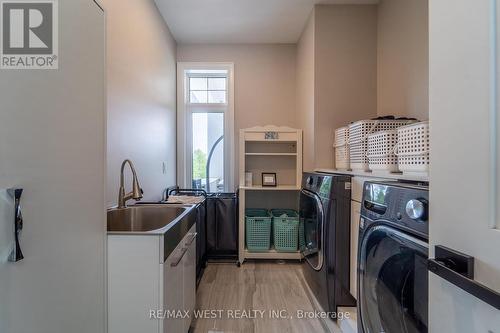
302 238
413 148
381 157
258 230
358 138
341 148
341 136
285 229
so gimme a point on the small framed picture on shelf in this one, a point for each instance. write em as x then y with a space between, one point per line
269 179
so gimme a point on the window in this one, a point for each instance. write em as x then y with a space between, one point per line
208 151
211 90
205 126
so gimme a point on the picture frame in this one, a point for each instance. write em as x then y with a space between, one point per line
269 179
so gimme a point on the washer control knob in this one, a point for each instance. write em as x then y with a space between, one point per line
415 209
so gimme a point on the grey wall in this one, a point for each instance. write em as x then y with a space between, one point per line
52 144
141 74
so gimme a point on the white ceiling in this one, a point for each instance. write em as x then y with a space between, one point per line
240 21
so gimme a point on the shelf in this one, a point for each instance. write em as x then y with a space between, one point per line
397 176
271 154
270 188
283 156
273 254
272 141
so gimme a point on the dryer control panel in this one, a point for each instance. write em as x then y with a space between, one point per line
404 205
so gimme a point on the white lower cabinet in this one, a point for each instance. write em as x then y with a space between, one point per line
179 284
147 293
356 202
173 292
357 187
189 280
355 215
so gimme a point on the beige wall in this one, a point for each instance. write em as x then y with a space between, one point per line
264 81
345 72
352 62
403 60
141 95
305 91
336 76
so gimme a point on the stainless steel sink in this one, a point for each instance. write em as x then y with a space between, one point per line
154 219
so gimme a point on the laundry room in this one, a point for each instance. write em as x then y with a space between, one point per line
211 166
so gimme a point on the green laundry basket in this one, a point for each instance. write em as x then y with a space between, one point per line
302 238
285 229
258 230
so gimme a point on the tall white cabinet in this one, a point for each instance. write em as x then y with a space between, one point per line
269 149
464 112
53 144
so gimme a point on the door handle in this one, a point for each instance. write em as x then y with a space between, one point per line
17 254
458 269
191 238
179 258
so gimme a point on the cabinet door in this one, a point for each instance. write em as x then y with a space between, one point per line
200 238
465 153
173 290
189 266
357 187
355 215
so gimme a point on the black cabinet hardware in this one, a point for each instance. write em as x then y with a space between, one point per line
458 269
17 254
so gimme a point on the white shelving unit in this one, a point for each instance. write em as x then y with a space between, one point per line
265 188
271 154
269 149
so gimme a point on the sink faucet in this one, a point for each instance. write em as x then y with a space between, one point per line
136 193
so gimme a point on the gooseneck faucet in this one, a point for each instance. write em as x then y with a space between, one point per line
136 192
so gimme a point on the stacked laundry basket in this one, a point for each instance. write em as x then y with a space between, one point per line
386 144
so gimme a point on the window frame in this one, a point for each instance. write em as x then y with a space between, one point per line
185 109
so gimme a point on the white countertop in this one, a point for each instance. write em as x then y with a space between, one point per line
384 175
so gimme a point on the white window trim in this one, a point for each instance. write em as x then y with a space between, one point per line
184 133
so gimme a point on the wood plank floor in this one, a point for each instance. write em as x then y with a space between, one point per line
257 289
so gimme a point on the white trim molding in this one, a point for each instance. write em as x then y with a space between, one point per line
184 132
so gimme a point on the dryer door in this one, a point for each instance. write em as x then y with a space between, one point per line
393 282
311 229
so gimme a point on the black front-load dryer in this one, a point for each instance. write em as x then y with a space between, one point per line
392 259
324 236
